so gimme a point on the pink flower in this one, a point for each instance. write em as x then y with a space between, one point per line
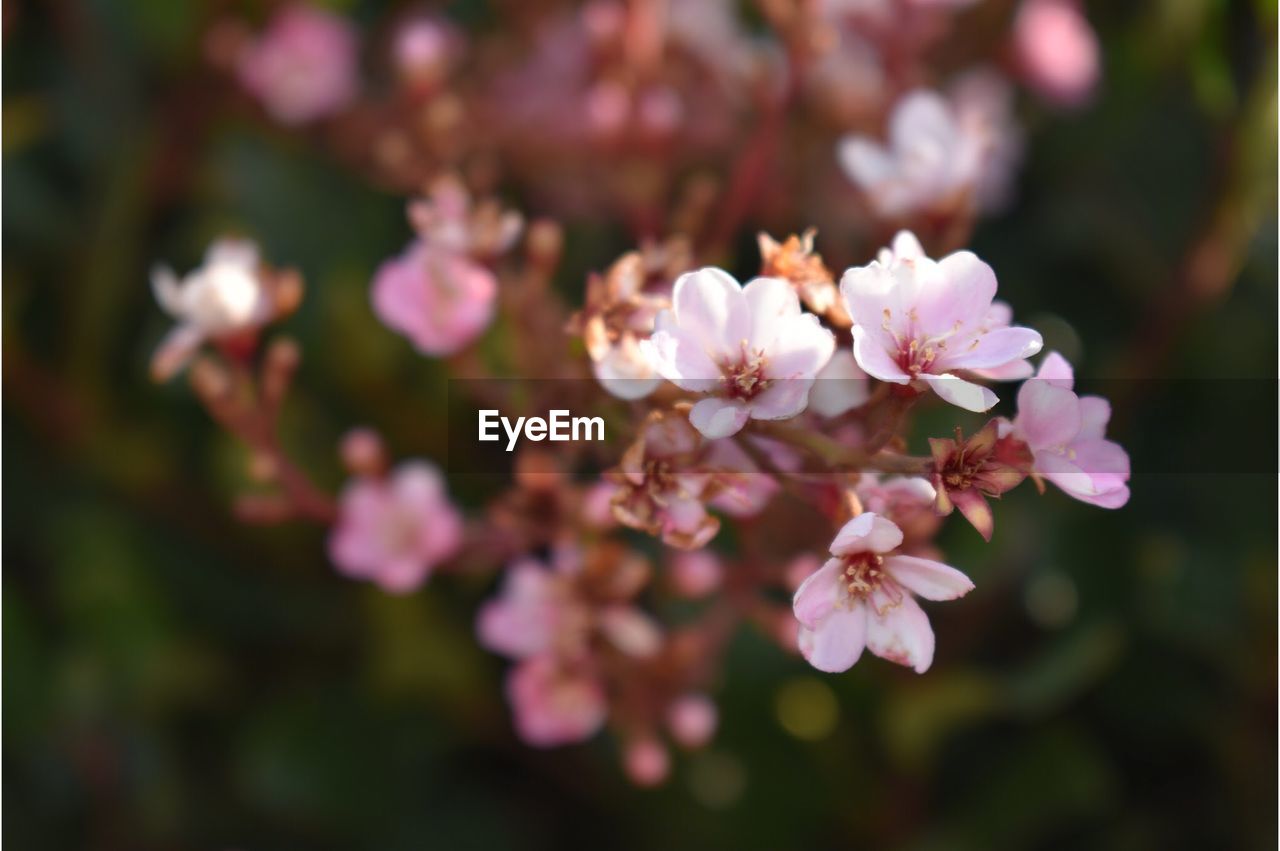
440 299
1065 434
541 611
393 531
917 321
555 704
535 613
940 153
749 349
692 719
696 574
303 67
225 297
646 762
1057 50
863 597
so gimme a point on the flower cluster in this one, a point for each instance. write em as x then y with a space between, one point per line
780 408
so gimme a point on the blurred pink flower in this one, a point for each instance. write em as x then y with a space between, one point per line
917 321
304 67
646 761
224 297
439 299
696 574
394 530
863 597
1057 50
750 349
1066 435
940 152
554 704
692 719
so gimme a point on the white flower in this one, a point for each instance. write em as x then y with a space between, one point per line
223 297
917 321
939 152
749 348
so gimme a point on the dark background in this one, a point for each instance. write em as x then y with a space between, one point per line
173 679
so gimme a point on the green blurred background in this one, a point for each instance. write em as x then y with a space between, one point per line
173 679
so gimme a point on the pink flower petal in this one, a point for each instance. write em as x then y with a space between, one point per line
874 360
867 532
837 641
932 580
902 635
710 305
961 393
771 301
1048 415
717 418
816 596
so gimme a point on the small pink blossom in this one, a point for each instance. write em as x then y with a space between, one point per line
1057 50
544 611
646 761
554 703
439 299
1066 436
692 719
696 574
750 349
941 153
304 67
864 597
918 321
393 531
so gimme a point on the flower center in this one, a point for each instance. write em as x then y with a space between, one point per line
863 573
745 378
915 358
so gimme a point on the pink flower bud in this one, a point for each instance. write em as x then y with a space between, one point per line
692 720
646 762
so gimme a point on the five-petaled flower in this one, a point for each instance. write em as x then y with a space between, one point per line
919 321
863 598
966 472
395 530
750 349
1066 436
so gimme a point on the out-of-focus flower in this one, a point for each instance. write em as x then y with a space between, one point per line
863 598
918 321
982 103
555 703
558 610
436 292
1057 50
423 50
1066 436
796 262
751 350
303 67
966 472
227 296
394 531
841 386
450 219
941 155
646 761
692 719
439 299
536 612
660 485
696 574
619 311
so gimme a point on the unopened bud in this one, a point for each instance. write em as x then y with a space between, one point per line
646 762
545 242
363 453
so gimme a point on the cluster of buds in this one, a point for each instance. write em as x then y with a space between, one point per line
730 404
